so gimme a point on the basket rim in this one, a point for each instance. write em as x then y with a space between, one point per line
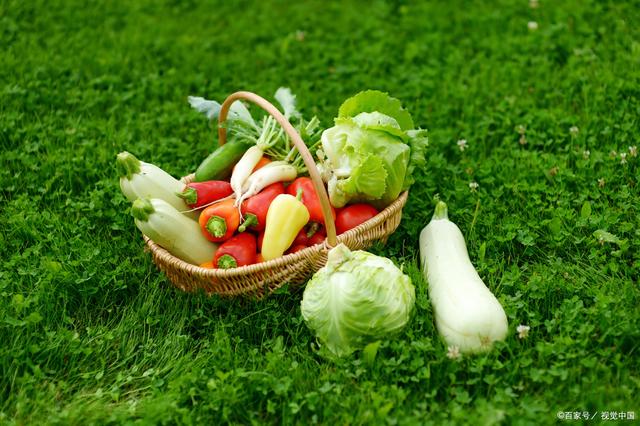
292 258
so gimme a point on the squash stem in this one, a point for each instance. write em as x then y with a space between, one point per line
128 165
440 211
141 209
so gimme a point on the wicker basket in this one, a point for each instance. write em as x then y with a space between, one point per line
260 279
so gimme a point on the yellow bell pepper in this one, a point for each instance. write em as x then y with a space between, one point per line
286 216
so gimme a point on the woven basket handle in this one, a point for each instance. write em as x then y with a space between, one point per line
299 144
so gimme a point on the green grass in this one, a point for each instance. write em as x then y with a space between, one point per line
92 333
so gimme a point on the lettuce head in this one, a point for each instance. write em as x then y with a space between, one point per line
372 151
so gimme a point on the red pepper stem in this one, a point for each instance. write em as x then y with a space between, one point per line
227 261
250 219
313 228
217 226
189 195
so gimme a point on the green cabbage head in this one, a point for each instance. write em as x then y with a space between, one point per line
355 299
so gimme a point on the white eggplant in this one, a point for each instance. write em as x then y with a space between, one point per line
467 314
145 180
169 228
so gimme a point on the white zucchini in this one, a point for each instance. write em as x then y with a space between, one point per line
176 233
467 314
144 180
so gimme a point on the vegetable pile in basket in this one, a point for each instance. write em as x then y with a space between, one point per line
252 200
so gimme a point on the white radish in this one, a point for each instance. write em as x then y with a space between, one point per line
243 169
277 171
467 314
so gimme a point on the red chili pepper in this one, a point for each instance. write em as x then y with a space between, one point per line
235 252
254 209
317 237
219 221
207 265
309 198
301 238
260 239
354 215
197 194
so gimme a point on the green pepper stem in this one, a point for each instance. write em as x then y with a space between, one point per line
313 228
227 261
216 226
141 209
250 219
128 164
189 195
441 211
299 194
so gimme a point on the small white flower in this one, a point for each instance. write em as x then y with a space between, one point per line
453 352
623 158
586 154
533 25
473 186
574 130
533 4
522 140
601 182
462 144
613 154
633 151
520 129
523 331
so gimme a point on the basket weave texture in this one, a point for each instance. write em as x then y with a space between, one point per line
260 279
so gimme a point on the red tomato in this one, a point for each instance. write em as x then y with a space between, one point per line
354 215
318 237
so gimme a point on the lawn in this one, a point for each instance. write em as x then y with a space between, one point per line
546 96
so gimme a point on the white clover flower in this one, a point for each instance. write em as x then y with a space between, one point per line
522 140
523 331
532 25
473 186
453 352
586 154
623 158
601 182
533 4
574 130
462 144
633 151
520 129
